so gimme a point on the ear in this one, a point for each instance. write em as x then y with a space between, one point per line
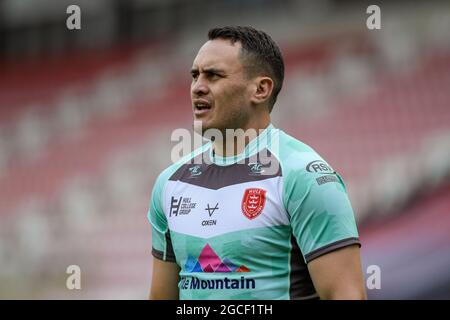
263 87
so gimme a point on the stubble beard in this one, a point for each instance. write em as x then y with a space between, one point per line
235 119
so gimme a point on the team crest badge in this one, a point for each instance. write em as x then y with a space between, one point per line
253 202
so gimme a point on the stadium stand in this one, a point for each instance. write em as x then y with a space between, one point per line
80 149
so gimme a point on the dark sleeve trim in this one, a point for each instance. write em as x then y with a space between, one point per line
160 255
331 247
170 255
169 250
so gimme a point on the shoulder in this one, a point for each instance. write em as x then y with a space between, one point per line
296 156
309 182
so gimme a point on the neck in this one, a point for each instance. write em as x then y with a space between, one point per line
235 140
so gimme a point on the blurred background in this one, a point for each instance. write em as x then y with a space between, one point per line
86 117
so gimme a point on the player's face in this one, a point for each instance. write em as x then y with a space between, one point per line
220 89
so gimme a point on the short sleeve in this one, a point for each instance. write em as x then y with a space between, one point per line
161 243
320 211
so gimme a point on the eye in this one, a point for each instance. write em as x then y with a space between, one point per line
194 75
212 75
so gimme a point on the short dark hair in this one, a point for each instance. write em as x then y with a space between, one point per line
260 49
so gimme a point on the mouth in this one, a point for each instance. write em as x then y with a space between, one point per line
201 107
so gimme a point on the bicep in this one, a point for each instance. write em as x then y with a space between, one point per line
338 274
165 279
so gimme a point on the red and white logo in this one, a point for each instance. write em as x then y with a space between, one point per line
253 202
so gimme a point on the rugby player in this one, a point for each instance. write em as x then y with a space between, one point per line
238 227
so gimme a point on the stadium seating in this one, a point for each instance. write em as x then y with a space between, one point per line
82 148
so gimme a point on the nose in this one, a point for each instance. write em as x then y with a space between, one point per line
199 87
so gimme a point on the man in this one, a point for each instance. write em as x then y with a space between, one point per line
227 226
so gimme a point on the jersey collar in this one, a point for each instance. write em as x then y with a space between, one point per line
254 146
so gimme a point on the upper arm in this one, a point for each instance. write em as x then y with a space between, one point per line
164 280
165 269
338 274
320 213
324 226
165 275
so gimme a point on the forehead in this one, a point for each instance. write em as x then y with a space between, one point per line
218 53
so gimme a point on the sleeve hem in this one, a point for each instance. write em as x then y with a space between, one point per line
331 247
160 256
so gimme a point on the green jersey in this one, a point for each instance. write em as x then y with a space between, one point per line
245 227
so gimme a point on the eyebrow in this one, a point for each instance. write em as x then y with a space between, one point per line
208 70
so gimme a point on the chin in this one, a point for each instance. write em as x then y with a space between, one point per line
200 126
205 124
